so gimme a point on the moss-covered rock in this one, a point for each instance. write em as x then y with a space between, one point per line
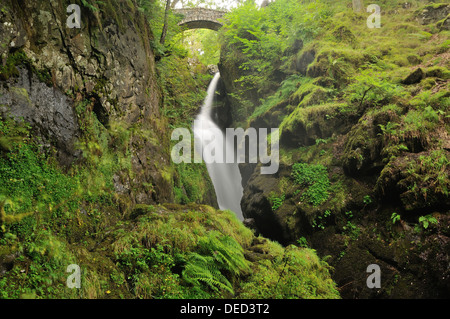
307 124
420 181
432 13
363 148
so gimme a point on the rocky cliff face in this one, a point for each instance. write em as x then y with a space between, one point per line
49 68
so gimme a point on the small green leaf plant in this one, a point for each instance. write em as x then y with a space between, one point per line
395 218
276 201
427 220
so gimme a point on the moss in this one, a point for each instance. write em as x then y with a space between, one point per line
108 265
305 125
337 63
419 181
438 72
433 6
109 9
19 58
141 209
343 34
361 147
267 283
183 229
428 83
389 138
9 69
21 94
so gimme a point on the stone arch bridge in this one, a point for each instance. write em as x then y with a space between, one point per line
200 18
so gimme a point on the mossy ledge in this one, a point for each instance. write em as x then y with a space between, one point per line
148 255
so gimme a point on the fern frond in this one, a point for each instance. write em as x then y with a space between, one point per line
204 269
226 251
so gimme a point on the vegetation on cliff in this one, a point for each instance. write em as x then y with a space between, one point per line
134 223
364 172
363 115
51 219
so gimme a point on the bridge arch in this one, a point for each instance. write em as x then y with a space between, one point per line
200 18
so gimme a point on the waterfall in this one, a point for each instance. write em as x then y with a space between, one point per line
225 177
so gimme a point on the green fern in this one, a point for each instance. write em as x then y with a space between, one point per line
203 269
226 251
218 256
92 4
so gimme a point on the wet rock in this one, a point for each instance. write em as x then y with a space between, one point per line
415 77
304 60
363 146
305 125
294 48
48 110
7 262
249 222
433 13
213 69
256 206
407 181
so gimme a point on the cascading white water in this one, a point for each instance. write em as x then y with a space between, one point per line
225 177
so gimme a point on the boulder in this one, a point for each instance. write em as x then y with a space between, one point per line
414 77
432 13
49 111
304 60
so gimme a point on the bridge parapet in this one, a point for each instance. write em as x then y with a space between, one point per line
198 18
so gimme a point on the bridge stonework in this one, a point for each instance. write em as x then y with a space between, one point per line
199 18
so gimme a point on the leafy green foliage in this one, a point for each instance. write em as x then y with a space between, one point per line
427 220
288 275
204 45
420 121
288 86
366 68
28 180
200 254
191 186
315 179
203 269
218 255
389 129
91 6
350 228
371 87
320 220
226 252
154 11
431 169
184 94
276 201
367 200
302 242
37 196
264 34
395 218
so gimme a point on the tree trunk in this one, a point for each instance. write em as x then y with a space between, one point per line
166 18
357 5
